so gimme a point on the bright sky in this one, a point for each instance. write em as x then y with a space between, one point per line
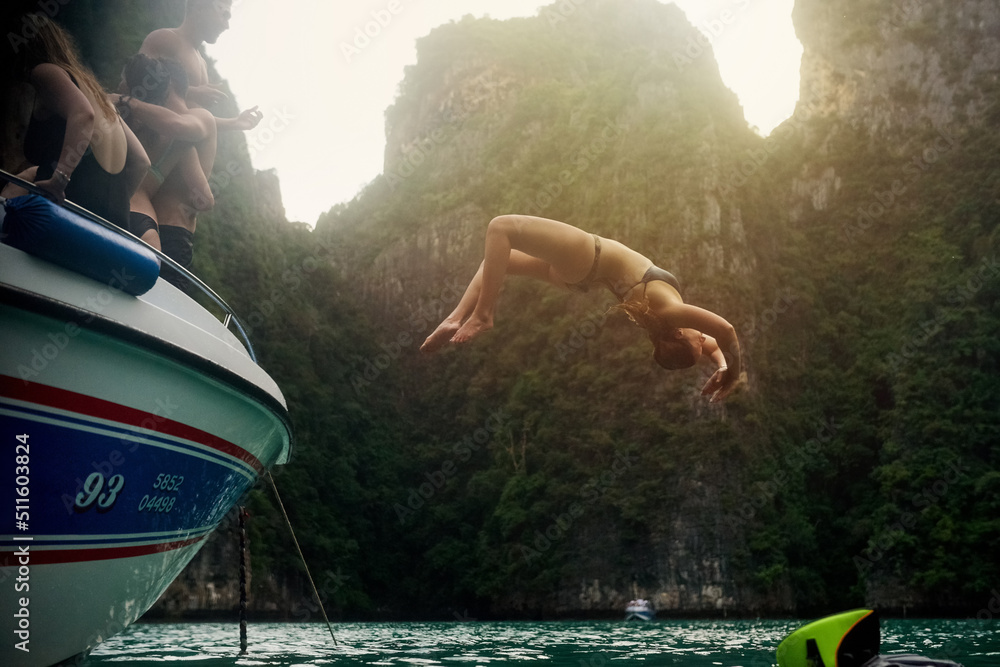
324 84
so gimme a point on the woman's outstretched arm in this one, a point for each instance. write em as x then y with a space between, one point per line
683 315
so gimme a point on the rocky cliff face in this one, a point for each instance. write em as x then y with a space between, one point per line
895 97
639 140
902 72
570 117
895 65
578 128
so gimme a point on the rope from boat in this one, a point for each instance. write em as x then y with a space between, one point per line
243 580
319 601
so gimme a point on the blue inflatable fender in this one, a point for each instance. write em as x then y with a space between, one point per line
40 227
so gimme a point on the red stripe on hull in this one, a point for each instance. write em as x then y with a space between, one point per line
71 401
56 556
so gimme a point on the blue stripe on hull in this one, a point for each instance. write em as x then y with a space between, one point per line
89 484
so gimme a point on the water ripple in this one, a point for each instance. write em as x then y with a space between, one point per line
580 644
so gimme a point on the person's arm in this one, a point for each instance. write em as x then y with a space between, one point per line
200 197
11 190
206 96
180 127
683 315
136 161
711 351
246 121
58 93
720 378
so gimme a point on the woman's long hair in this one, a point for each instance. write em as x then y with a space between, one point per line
669 352
44 41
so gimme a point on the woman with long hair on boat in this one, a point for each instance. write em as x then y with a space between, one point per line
82 149
569 257
176 138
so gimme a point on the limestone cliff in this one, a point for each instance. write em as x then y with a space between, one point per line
569 117
889 148
867 216
894 65
604 117
896 70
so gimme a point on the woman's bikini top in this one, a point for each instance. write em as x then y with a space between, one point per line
653 273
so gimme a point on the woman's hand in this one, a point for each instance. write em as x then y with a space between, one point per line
55 188
720 385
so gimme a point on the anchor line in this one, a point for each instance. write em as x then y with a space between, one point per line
319 601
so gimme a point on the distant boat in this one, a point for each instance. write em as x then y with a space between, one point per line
640 610
131 424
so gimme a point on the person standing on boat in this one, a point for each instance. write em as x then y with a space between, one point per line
176 204
571 258
81 148
174 136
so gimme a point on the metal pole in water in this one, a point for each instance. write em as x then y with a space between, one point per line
243 580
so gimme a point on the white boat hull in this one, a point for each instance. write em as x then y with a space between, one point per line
130 427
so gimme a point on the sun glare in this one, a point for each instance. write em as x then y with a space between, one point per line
324 105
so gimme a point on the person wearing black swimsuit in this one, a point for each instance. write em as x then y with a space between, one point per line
82 149
175 138
574 259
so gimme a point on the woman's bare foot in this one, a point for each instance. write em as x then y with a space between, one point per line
440 336
472 328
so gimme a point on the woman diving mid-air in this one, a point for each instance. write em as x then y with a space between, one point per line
565 256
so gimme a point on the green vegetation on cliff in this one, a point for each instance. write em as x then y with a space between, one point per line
551 466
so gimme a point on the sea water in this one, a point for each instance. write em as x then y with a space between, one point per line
736 643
